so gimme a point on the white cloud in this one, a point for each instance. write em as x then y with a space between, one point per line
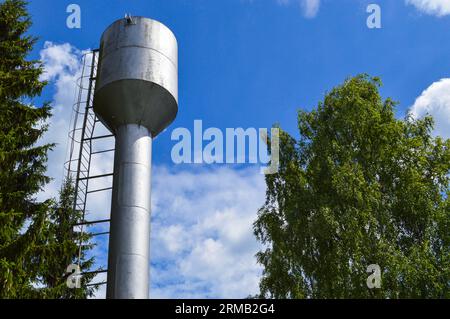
59 60
202 240
433 7
63 69
435 101
310 8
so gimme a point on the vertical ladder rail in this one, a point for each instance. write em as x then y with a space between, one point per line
80 157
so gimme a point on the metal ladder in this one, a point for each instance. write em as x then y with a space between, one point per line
81 138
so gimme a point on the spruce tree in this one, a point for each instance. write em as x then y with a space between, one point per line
62 248
22 162
37 241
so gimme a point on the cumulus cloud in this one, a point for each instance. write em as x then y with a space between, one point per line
435 101
310 8
61 60
202 242
433 7
63 68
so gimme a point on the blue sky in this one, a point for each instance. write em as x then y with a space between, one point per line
253 63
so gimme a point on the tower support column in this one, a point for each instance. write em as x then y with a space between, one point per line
129 240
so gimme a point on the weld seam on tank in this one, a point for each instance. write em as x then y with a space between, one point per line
143 47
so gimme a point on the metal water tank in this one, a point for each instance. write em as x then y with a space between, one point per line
136 97
137 77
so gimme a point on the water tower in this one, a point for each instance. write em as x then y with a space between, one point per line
136 97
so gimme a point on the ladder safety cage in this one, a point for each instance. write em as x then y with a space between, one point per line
80 151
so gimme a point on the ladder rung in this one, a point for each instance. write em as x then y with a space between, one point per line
90 123
87 150
88 126
98 137
105 151
85 158
82 245
96 284
94 272
82 187
100 190
93 222
84 166
82 193
96 176
99 234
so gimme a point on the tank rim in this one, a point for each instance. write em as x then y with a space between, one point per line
140 17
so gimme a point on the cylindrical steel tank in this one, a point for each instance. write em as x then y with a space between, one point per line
136 97
137 78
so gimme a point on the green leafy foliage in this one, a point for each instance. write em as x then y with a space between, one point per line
359 187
